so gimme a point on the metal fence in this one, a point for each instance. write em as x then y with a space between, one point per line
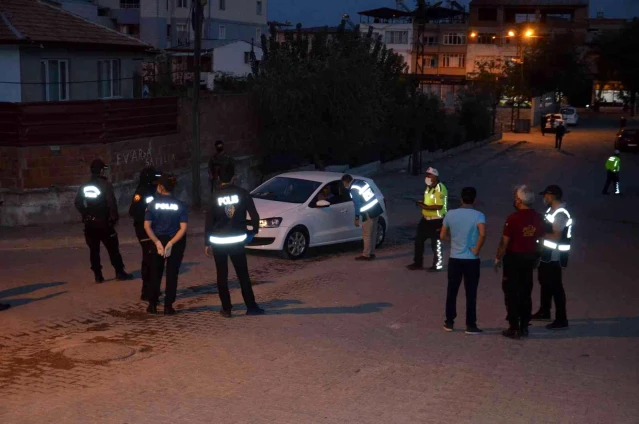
86 122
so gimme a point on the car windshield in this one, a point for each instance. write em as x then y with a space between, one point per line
568 111
284 189
630 133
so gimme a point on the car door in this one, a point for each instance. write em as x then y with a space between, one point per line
331 224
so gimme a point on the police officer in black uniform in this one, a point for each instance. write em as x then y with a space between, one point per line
165 223
226 235
96 203
144 194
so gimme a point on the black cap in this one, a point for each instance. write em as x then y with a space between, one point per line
554 190
167 181
97 166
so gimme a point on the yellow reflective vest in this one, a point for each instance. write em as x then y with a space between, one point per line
437 195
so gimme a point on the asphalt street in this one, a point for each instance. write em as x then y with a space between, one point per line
343 341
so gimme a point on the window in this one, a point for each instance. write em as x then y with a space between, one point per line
396 37
221 33
486 38
183 3
525 17
129 4
455 38
222 4
182 33
247 57
55 80
430 40
258 7
258 34
334 193
453 61
109 78
429 61
487 14
288 190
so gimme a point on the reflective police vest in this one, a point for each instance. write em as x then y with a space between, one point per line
613 164
437 195
231 227
367 202
563 244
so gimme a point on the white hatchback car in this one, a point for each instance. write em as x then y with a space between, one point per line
306 209
570 115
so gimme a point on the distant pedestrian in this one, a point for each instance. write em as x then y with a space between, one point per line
96 203
560 131
520 250
466 228
543 123
434 208
552 122
165 223
219 159
622 123
367 212
613 167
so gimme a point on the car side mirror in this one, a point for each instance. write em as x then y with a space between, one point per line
322 204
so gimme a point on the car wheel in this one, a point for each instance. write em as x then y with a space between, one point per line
296 243
381 232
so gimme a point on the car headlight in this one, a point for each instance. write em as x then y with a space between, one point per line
270 222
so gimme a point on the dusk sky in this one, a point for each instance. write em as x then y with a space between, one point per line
329 12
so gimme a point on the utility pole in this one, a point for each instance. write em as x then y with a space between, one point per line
197 18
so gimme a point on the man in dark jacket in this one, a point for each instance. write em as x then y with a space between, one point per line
96 203
219 159
226 235
560 131
544 120
144 194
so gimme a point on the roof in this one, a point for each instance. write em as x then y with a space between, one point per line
329 29
34 21
531 3
208 45
319 176
385 13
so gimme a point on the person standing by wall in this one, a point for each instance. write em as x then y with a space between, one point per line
434 208
560 131
96 203
519 249
466 228
367 212
165 223
219 159
144 194
543 122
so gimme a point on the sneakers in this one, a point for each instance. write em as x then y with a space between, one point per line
511 333
99 278
255 311
152 309
540 316
448 327
415 267
435 269
473 330
558 325
123 276
226 314
168 310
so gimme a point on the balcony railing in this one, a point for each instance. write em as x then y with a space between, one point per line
129 4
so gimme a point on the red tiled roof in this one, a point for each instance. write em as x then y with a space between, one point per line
25 21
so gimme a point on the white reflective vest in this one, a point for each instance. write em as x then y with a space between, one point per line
563 244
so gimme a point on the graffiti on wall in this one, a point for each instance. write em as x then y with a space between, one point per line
145 157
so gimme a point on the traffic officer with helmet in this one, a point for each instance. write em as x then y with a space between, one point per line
434 208
96 203
554 256
226 234
613 166
367 212
144 194
165 222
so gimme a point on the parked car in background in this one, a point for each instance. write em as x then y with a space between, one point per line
305 209
558 119
627 139
569 115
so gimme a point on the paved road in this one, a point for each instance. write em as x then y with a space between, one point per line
343 341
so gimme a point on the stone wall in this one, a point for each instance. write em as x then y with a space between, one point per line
38 183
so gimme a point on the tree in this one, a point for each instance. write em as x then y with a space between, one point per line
617 58
492 82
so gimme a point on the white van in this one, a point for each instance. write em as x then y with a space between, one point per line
570 115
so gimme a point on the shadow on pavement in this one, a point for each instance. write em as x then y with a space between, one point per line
276 307
30 288
194 291
592 327
27 300
563 152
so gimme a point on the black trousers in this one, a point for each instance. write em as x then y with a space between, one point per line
148 249
238 258
107 236
517 284
558 140
612 178
429 229
173 264
549 276
468 270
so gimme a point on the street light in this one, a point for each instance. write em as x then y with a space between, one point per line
511 33
473 34
529 33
